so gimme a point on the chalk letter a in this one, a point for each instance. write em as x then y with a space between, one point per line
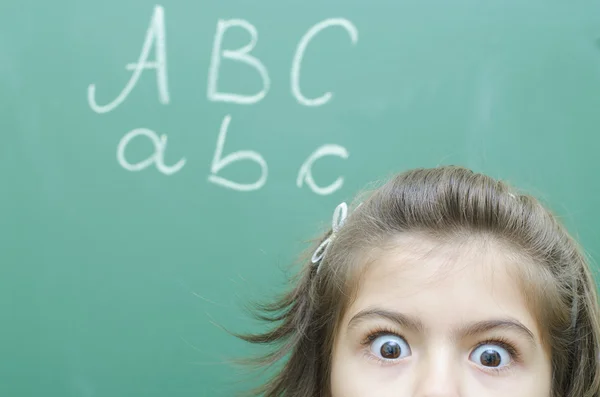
155 36
157 158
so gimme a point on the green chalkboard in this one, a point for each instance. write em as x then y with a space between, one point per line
162 164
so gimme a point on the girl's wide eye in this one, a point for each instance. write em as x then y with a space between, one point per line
491 356
390 347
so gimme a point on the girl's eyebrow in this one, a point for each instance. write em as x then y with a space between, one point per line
471 329
402 320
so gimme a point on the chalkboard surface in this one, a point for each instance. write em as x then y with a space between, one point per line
162 164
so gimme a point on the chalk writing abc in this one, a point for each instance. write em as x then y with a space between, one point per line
155 39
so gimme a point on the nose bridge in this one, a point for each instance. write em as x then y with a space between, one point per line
438 373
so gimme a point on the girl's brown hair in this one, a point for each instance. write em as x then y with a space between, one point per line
443 203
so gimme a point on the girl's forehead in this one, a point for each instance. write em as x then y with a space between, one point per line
441 283
413 259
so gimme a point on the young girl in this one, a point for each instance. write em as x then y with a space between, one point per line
442 282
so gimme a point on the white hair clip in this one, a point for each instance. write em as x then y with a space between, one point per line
339 217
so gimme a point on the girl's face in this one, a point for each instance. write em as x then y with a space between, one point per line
435 321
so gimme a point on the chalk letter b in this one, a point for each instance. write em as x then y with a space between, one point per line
240 55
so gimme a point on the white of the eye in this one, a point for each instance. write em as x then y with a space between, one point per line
504 355
378 343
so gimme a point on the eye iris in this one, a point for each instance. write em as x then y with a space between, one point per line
490 358
390 350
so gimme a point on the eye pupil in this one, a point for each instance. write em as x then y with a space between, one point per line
390 350
490 358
